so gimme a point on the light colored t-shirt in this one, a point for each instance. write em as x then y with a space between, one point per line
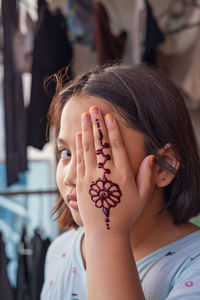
65 275
170 273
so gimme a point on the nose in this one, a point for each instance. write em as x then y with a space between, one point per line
70 173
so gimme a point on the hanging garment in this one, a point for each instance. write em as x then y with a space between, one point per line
5 287
154 37
24 35
30 277
15 120
184 70
178 57
138 32
177 21
109 48
23 48
26 8
54 5
80 21
52 52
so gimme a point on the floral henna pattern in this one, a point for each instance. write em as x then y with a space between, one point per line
104 193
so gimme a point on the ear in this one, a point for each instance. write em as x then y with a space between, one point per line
168 166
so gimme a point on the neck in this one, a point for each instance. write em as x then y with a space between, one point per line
153 230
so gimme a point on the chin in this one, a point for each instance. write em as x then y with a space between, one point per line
77 218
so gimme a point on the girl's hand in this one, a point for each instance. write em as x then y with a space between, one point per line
109 197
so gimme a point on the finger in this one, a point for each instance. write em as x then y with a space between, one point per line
118 150
80 166
144 178
89 153
101 140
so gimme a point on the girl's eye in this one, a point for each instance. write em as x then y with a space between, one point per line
64 154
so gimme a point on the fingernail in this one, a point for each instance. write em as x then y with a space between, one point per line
79 136
152 160
85 117
109 119
94 110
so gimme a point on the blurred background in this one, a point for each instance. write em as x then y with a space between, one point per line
37 39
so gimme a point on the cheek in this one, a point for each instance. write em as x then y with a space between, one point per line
135 164
59 175
135 147
136 156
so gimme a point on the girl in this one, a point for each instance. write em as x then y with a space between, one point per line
128 173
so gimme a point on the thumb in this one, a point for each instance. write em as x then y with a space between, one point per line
144 177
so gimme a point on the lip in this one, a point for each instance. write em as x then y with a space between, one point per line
72 200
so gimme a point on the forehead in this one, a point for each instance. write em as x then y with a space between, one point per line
70 117
80 104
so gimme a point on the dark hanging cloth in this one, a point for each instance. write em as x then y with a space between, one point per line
153 38
15 119
6 291
109 48
52 52
30 275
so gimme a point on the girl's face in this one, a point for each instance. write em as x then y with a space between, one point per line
70 124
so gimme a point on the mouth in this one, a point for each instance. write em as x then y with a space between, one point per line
72 200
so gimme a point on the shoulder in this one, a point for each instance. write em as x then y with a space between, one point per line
185 284
187 276
190 245
185 251
172 272
190 255
63 242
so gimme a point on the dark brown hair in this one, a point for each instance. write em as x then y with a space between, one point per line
150 103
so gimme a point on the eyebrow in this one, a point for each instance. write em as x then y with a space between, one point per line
60 141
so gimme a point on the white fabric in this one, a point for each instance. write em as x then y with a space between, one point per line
178 56
172 15
23 39
138 32
26 7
